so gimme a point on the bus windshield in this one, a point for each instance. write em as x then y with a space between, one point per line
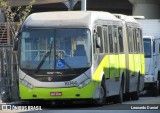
55 48
147 48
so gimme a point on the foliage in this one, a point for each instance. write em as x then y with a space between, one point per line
15 13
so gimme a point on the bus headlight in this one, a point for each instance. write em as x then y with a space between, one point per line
27 84
84 83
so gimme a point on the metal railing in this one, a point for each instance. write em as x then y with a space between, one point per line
7 30
8 73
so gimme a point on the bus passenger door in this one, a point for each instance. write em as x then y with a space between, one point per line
113 55
101 57
138 60
116 51
135 63
106 50
130 58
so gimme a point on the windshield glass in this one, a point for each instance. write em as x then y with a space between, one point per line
147 48
55 49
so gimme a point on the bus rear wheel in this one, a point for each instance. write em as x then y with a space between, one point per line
119 98
155 88
135 95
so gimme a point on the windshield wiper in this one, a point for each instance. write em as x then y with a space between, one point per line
46 55
42 61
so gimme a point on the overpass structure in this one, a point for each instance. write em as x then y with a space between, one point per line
148 8
69 3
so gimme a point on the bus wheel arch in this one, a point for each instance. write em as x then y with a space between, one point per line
119 97
122 78
102 93
135 95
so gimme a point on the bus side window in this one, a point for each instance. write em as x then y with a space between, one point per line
120 36
130 40
94 41
138 40
99 33
105 34
141 39
110 39
153 46
115 39
135 41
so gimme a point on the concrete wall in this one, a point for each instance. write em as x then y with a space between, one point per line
148 8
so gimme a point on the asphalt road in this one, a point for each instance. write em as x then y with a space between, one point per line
143 105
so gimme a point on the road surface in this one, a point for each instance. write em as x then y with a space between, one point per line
143 105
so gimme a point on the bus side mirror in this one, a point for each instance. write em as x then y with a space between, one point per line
98 42
97 39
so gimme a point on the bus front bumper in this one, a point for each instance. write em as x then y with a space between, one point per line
148 78
58 93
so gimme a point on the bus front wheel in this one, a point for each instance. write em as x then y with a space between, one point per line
102 93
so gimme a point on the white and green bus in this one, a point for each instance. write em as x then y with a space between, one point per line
80 55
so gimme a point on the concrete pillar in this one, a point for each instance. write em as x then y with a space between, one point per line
148 8
83 5
70 4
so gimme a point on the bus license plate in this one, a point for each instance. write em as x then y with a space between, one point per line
55 93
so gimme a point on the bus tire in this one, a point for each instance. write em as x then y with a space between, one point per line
121 93
135 95
102 100
155 88
119 98
126 97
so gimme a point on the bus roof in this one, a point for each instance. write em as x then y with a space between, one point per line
128 19
150 37
67 18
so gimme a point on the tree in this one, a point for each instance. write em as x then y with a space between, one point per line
8 58
13 14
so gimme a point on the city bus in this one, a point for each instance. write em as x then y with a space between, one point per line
80 55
